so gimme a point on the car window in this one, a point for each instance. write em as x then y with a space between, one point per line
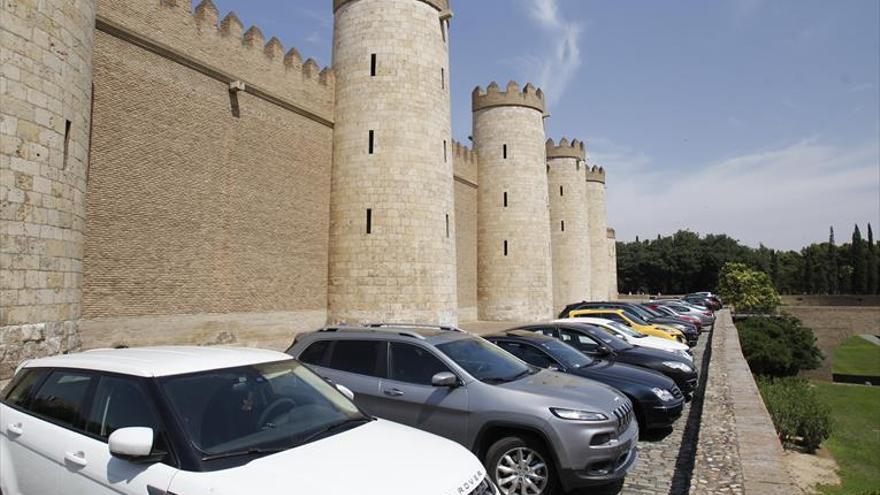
120 403
527 353
412 364
581 342
22 388
357 356
315 353
548 331
62 397
483 360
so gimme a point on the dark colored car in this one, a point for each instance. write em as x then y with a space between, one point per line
598 343
708 300
658 401
665 310
690 331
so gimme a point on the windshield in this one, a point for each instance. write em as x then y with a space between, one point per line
635 318
566 354
258 408
612 341
621 328
484 361
638 312
650 311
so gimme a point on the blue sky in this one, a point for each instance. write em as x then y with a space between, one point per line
755 118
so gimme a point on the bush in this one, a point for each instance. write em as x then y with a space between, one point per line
778 346
798 415
747 289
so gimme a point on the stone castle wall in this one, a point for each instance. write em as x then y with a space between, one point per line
569 224
45 95
513 262
595 197
392 230
171 138
612 265
465 163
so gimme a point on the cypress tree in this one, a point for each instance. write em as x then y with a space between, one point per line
873 264
859 263
832 268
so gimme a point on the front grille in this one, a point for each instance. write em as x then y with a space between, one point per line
676 392
623 414
484 488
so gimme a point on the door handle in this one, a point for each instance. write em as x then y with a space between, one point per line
78 458
14 428
394 392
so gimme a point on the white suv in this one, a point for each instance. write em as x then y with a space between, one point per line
195 420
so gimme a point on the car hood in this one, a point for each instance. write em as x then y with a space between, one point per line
623 376
379 457
658 343
648 354
673 321
575 391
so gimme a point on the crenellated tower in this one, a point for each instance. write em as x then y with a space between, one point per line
569 221
45 97
612 264
598 224
513 248
392 226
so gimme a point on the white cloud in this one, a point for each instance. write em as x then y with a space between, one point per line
785 198
557 68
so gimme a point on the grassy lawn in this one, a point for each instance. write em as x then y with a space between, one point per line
855 440
857 356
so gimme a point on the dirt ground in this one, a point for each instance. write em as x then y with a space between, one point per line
809 470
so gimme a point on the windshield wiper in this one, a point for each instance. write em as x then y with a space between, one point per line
332 426
240 453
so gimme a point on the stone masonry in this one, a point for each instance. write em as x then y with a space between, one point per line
598 224
514 272
569 222
45 99
612 263
392 228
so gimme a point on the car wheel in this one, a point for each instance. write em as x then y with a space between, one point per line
520 466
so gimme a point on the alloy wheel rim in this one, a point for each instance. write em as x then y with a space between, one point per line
522 471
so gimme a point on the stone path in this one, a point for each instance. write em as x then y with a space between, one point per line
656 470
871 338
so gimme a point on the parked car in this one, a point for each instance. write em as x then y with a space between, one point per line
198 420
659 308
707 299
690 331
634 322
684 308
658 402
532 426
596 341
632 336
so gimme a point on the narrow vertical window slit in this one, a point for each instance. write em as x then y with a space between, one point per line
373 65
372 138
369 220
66 144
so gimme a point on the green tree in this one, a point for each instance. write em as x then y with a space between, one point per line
873 264
747 289
859 263
832 268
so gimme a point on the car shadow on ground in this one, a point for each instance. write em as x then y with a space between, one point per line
612 489
656 435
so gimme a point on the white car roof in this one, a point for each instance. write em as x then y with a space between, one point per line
583 319
159 361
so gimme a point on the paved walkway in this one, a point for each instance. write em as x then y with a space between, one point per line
871 338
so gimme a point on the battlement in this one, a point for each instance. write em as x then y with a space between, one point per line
465 162
564 149
596 174
530 97
610 233
441 5
200 37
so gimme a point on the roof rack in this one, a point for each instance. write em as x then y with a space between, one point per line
366 329
445 328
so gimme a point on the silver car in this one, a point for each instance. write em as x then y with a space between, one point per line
533 429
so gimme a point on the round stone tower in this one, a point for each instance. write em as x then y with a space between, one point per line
45 97
392 237
612 264
569 222
598 224
514 272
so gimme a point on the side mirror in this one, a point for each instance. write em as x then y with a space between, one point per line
444 379
345 391
554 367
603 350
132 444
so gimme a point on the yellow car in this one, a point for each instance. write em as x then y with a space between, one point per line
642 326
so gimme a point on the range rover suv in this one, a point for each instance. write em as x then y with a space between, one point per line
199 420
533 429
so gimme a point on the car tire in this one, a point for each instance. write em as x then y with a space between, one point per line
513 449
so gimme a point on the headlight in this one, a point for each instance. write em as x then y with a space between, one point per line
576 415
664 395
677 365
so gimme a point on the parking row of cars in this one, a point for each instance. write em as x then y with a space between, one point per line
533 409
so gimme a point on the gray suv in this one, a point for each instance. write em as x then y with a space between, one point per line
533 429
